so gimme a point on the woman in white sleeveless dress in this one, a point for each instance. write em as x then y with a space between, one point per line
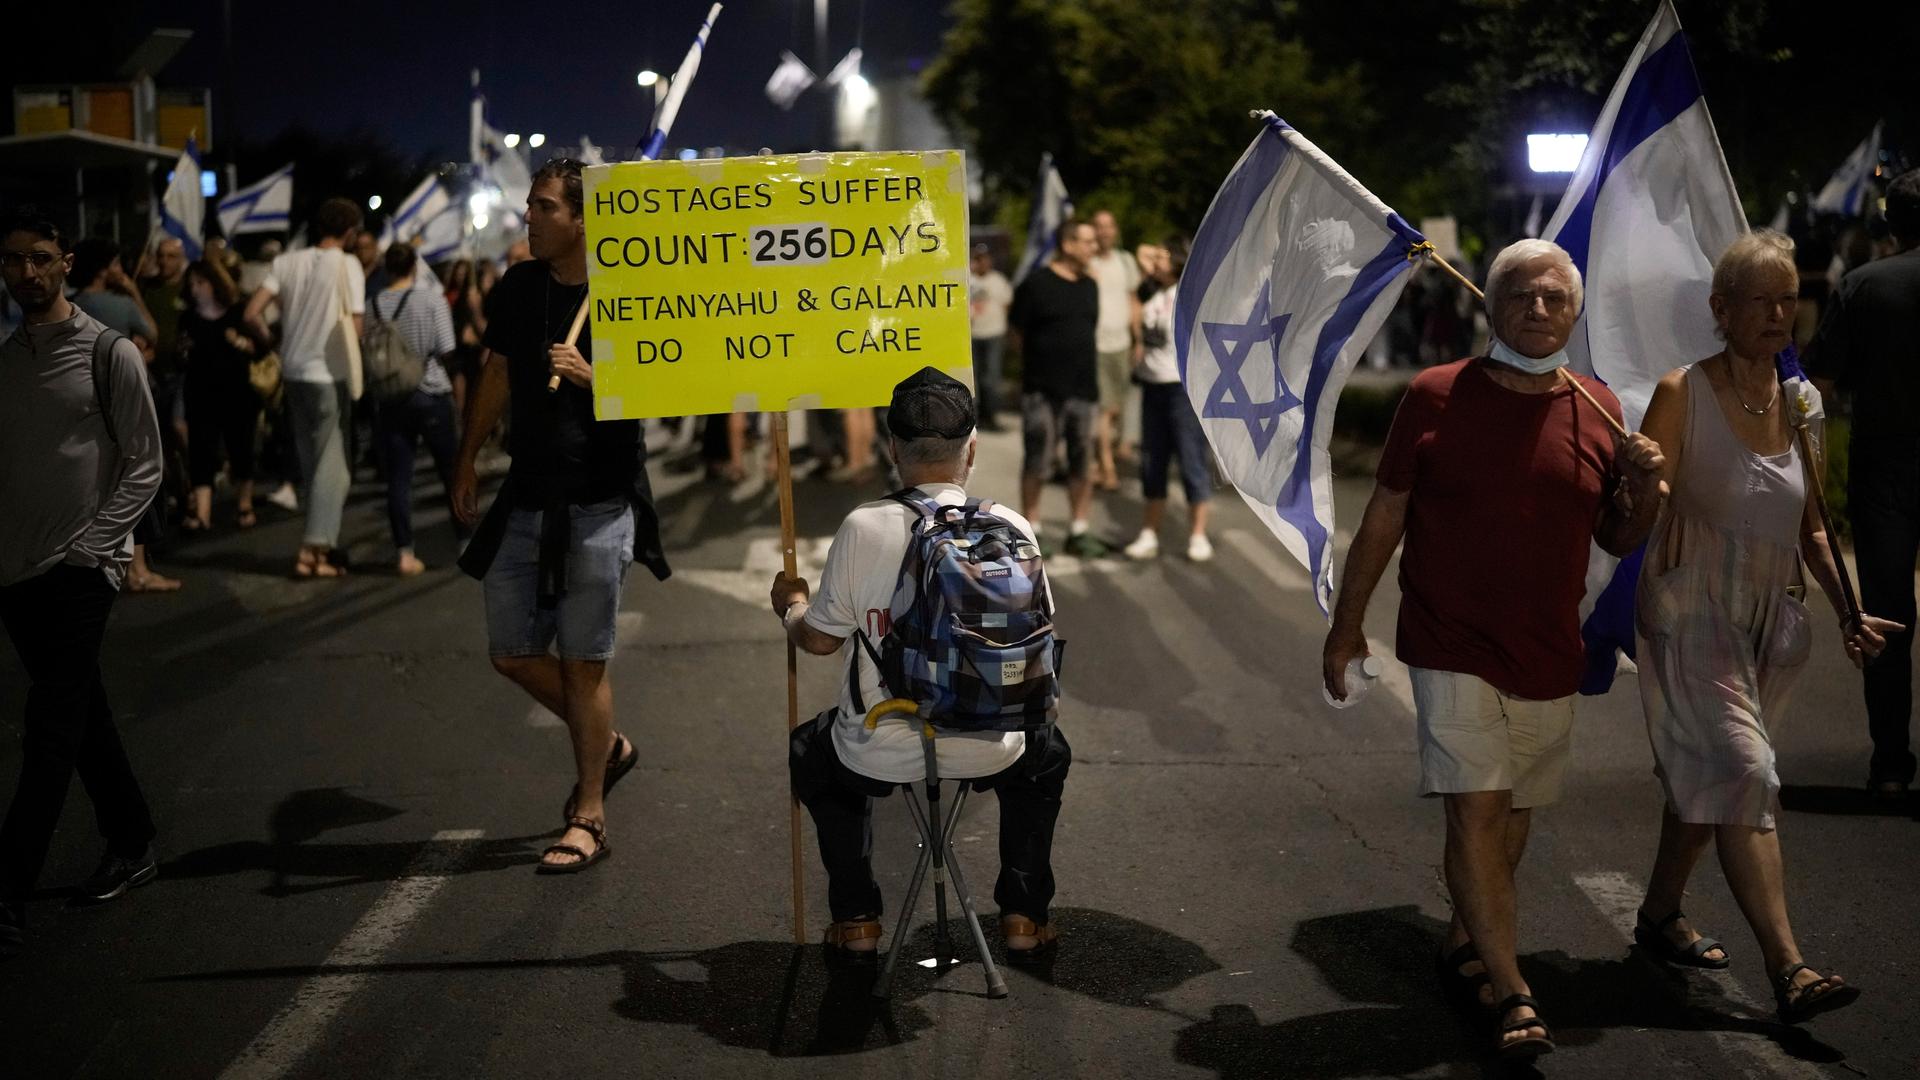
1723 630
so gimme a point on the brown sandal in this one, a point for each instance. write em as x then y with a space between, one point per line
1045 938
582 859
841 935
617 767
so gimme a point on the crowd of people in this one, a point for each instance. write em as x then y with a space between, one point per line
215 371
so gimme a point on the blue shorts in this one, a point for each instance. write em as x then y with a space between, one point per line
581 622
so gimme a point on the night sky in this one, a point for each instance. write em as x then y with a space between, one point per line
401 69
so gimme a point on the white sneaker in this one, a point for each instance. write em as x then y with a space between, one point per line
1200 549
1144 546
284 498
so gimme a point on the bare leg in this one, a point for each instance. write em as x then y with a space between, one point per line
859 439
1080 493
244 497
144 578
203 504
1519 822
1106 432
1681 846
1751 860
1479 868
539 676
1030 498
589 716
1156 511
1200 513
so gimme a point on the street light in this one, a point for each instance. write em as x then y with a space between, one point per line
535 140
373 202
512 140
1555 153
649 77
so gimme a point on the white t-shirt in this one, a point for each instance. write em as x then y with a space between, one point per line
307 285
856 593
988 296
1161 363
1118 276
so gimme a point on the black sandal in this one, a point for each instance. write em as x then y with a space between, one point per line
583 859
1460 988
617 767
1824 995
1521 1048
1651 936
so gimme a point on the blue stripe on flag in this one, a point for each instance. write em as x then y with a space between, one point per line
1295 503
1663 87
1221 229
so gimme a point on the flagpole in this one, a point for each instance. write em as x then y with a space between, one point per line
783 462
1425 249
1812 465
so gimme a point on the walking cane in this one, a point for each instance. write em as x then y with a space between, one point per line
784 464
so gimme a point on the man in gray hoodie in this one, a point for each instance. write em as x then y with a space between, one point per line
79 462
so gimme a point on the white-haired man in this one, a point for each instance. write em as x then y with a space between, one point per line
1498 476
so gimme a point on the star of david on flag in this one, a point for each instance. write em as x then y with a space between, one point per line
1293 270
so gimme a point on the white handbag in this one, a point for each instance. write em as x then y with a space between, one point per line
343 342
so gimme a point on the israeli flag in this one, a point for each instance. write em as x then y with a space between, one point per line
791 79
425 203
1293 271
444 235
1846 192
1650 208
261 207
1051 208
183 209
499 165
677 90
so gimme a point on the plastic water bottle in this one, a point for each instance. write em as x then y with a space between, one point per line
1362 673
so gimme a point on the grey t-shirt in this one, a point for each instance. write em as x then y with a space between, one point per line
71 494
116 311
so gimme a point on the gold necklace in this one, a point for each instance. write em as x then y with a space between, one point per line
1734 382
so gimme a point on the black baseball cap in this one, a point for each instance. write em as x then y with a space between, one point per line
930 404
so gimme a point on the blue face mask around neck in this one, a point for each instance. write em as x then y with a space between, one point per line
1504 354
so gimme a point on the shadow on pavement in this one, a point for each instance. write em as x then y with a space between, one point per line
1383 958
1855 802
289 853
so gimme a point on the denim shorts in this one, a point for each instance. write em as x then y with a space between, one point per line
600 550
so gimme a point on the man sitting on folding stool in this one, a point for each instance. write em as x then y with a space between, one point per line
839 766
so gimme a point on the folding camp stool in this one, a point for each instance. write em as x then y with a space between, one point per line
936 849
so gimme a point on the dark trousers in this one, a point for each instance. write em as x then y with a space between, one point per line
56 622
987 356
220 414
1883 500
403 425
841 802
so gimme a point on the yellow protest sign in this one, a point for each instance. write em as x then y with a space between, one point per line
759 284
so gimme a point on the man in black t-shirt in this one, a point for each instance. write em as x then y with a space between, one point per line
574 512
1055 309
1869 343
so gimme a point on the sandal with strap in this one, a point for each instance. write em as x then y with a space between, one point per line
1798 1003
582 859
841 935
1044 936
1460 988
1652 937
1533 1046
617 767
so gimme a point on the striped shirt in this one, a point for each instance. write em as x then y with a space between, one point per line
427 326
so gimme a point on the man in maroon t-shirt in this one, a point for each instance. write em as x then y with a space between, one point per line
1499 477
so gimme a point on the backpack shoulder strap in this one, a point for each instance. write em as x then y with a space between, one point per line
405 296
103 377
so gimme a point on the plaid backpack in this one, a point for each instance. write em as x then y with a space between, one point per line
973 642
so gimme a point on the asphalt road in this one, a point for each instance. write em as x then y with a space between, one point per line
351 803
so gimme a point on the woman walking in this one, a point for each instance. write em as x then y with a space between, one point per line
1723 631
222 408
1168 426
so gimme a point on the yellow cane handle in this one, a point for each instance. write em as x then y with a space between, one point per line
889 706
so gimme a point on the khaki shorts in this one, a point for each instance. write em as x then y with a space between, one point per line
1476 738
1116 377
